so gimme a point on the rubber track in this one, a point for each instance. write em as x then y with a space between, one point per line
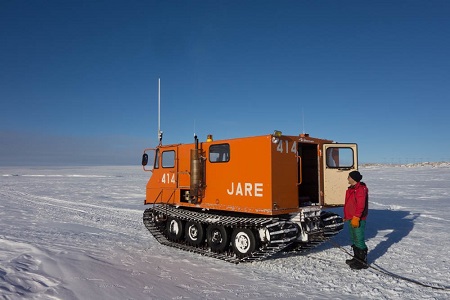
273 224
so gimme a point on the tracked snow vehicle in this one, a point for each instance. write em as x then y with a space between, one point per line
246 199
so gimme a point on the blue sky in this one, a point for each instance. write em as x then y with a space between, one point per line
78 79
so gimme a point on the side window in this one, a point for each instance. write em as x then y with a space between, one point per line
339 157
156 165
219 153
168 159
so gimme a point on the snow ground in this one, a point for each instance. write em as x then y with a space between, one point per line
77 233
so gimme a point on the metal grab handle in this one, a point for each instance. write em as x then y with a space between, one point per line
300 171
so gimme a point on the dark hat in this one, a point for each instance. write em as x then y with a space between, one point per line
355 175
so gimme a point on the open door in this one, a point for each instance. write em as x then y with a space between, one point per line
338 161
163 183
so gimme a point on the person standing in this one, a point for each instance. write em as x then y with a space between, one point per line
356 208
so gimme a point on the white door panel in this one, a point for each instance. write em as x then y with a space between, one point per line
338 161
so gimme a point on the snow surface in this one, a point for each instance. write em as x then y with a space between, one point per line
77 233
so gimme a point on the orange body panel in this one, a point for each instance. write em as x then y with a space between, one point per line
259 177
266 175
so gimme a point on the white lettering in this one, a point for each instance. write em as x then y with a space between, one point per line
239 189
280 147
232 189
167 179
294 147
258 189
248 189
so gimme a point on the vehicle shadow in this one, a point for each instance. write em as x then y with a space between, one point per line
389 225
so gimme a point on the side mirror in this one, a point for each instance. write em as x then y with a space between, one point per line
144 159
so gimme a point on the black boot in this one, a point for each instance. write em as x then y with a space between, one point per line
353 259
360 259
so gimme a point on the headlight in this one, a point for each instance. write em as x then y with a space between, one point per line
276 136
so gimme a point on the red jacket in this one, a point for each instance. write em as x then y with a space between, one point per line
356 201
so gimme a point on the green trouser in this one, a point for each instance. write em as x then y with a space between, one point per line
357 235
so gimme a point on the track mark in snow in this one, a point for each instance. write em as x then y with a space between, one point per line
66 204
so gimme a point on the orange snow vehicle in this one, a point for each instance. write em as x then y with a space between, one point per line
246 199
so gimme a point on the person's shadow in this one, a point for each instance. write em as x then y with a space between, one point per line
393 225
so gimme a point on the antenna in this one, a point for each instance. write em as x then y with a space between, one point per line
160 133
303 120
194 130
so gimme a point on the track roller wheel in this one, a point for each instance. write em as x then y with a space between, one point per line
174 229
218 238
195 233
244 242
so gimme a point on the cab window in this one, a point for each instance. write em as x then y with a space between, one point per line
339 157
168 159
156 164
219 153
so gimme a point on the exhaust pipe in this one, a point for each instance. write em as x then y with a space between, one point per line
196 173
